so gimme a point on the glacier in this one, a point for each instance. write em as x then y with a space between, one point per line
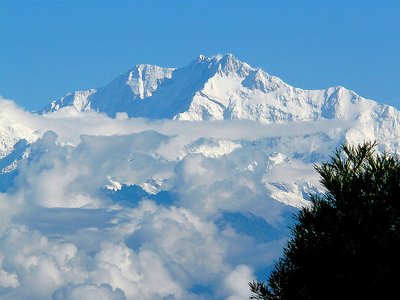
167 183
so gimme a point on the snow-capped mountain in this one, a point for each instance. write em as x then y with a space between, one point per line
12 129
198 202
219 88
225 88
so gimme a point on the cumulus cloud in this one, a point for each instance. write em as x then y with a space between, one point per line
141 275
187 243
7 279
237 283
39 264
194 211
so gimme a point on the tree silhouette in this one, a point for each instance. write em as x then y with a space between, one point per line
346 245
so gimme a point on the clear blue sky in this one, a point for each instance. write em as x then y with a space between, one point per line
49 48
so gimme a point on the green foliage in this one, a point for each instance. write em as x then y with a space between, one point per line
346 245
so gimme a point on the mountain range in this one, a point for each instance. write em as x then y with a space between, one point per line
219 88
194 172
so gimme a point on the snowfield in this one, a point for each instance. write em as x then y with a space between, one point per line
168 183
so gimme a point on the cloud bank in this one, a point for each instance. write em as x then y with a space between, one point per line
94 207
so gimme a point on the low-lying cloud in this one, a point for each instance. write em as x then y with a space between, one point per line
193 210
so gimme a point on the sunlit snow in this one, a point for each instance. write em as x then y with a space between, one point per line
156 207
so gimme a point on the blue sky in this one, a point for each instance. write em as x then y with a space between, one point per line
49 48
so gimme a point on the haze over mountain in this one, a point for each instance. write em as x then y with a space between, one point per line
160 205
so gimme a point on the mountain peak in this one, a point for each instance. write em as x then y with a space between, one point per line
214 88
225 56
227 60
229 56
230 64
201 57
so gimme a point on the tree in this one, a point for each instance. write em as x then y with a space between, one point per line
346 245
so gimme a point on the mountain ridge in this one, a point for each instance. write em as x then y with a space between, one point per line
213 88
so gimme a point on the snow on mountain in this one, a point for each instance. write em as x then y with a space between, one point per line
120 94
220 88
115 205
212 148
79 100
225 88
12 129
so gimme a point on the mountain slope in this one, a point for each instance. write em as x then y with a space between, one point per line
219 88
12 128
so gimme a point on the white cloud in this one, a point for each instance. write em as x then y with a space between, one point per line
140 275
62 237
38 265
185 242
7 279
237 283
